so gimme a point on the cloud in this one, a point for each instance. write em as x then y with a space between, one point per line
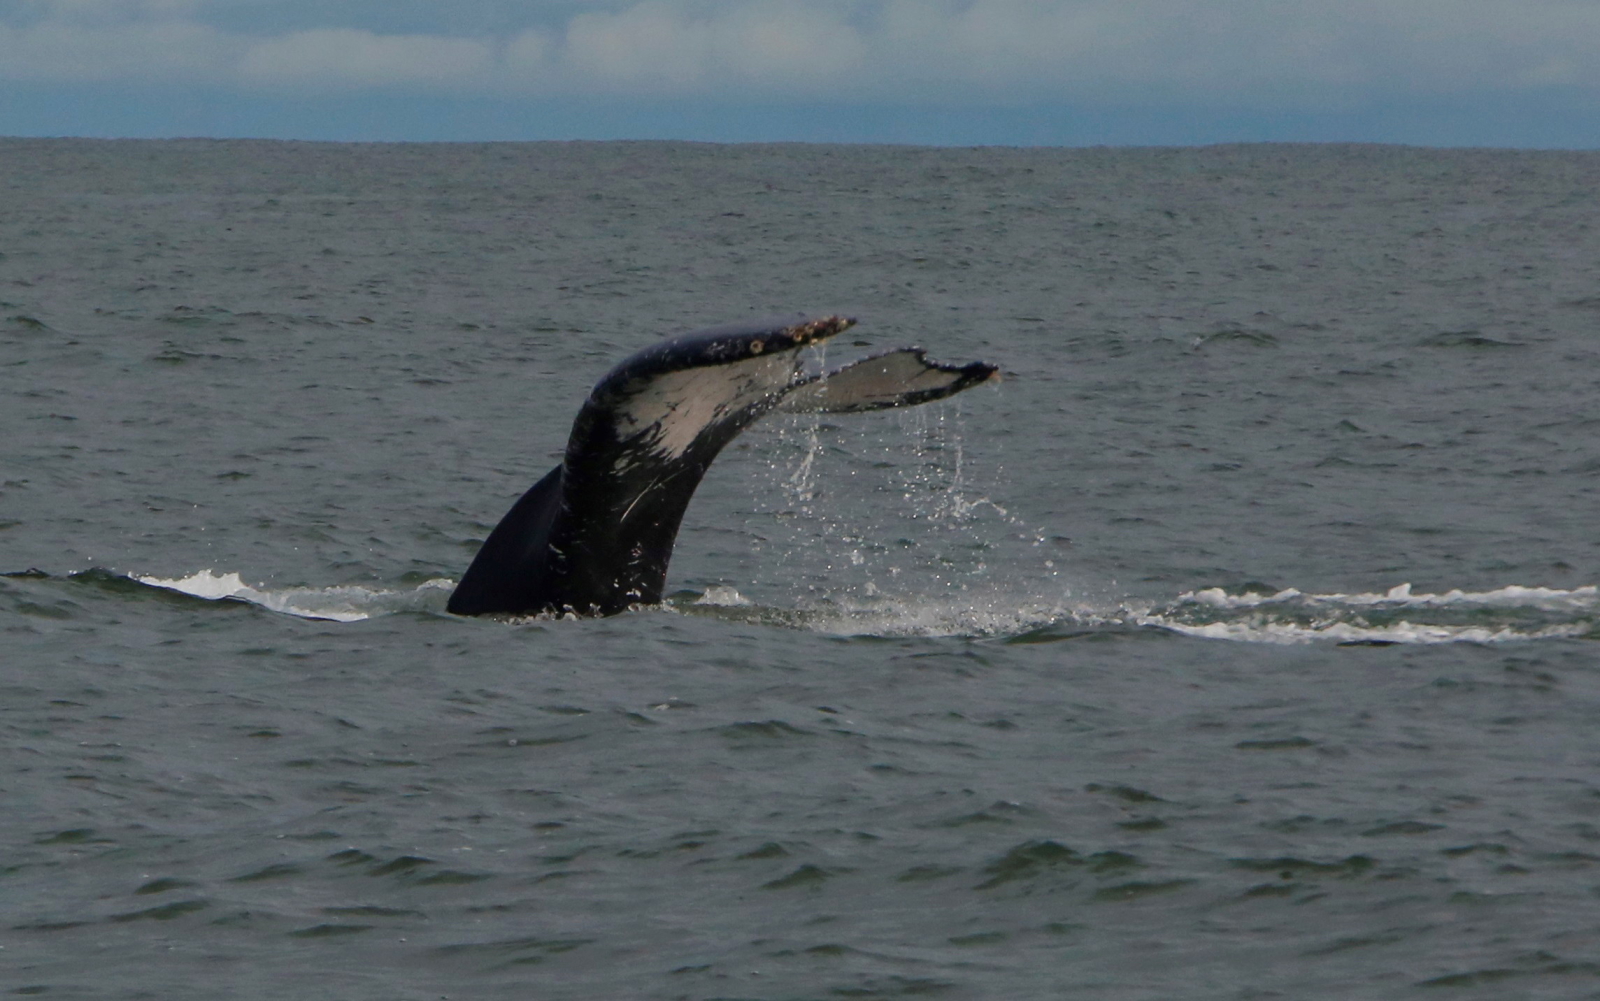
919 51
113 11
1193 49
158 50
788 46
526 56
322 57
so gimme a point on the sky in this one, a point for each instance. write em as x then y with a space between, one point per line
1517 73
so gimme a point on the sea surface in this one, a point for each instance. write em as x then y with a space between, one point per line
1240 644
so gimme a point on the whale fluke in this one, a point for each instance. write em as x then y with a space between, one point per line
900 378
594 535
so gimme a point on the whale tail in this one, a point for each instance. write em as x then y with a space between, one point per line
594 536
900 378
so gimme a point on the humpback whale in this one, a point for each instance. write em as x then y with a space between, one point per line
594 536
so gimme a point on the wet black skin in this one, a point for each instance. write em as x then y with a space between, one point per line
594 536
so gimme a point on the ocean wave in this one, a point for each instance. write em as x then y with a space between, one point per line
1513 613
342 603
1511 596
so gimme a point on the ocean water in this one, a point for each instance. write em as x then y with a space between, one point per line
1240 644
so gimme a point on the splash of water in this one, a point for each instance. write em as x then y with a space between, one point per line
347 603
1514 613
1399 615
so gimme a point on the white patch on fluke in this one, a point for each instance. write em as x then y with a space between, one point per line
673 408
875 383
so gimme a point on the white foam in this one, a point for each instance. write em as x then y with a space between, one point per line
347 603
1350 632
1507 614
1510 596
1514 613
1510 614
993 616
723 596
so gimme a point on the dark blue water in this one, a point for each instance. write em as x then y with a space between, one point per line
1240 644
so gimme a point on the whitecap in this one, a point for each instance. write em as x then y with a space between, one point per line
341 603
1510 596
1512 613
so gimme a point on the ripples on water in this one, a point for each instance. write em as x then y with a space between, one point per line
1239 646
1289 616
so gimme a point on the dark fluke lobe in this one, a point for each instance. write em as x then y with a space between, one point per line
595 535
